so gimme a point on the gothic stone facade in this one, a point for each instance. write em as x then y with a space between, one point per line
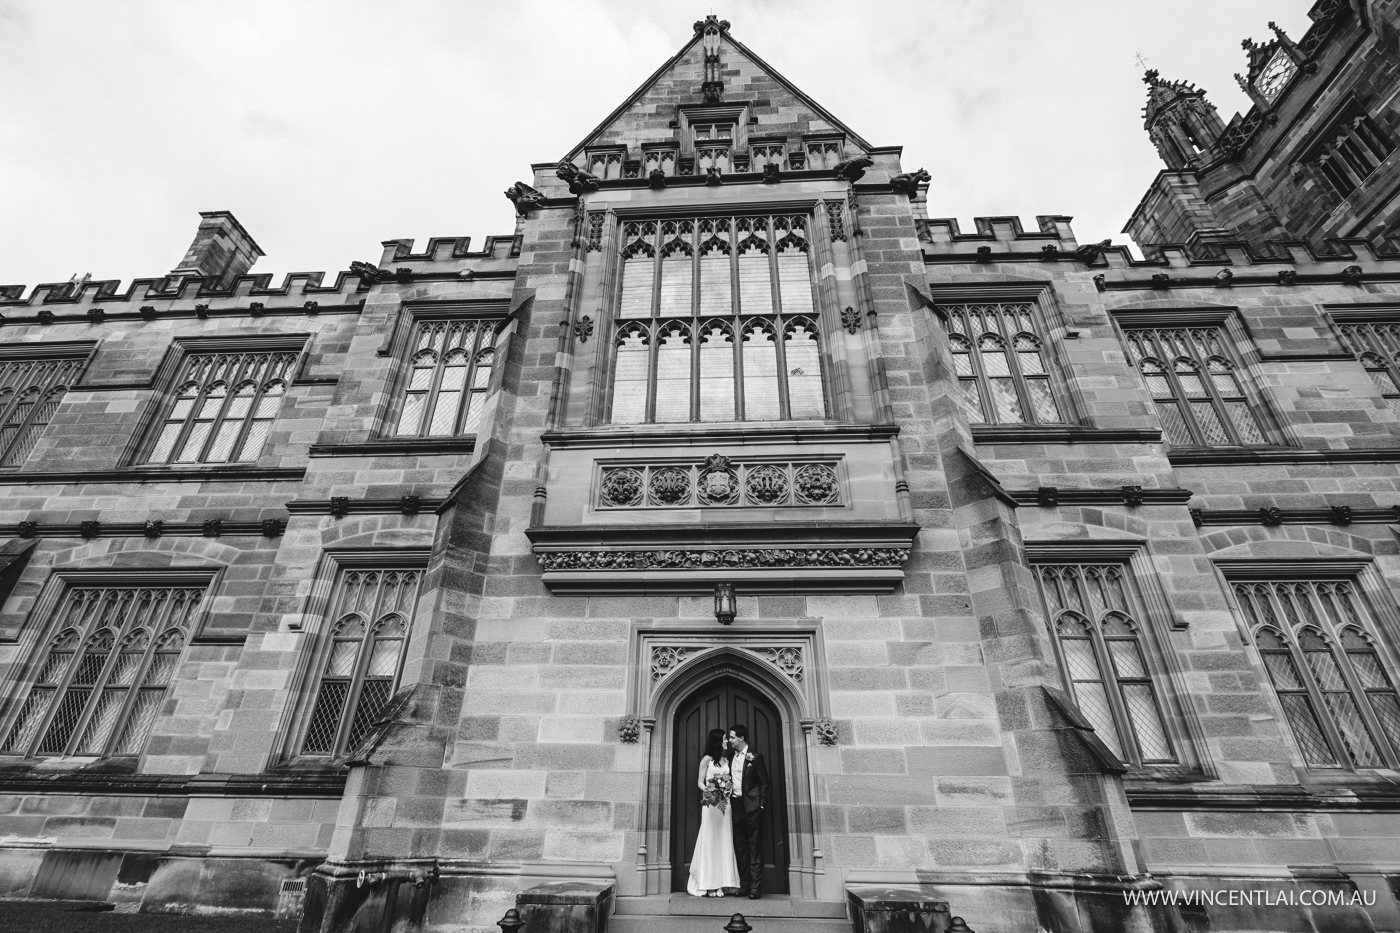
1313 158
1057 575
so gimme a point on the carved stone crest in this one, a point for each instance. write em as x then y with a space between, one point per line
719 481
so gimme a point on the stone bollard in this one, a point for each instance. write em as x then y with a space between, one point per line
737 924
511 922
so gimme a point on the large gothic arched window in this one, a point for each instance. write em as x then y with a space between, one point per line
716 321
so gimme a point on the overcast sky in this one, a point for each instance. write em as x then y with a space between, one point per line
327 127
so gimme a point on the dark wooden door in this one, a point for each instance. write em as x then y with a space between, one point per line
719 705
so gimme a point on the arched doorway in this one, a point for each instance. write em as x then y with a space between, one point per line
718 704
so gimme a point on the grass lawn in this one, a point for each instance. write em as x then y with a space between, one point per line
39 919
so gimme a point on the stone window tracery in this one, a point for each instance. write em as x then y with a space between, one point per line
1377 345
224 407
100 681
1352 151
716 321
823 154
1316 640
999 361
30 392
606 165
1195 386
449 374
361 656
714 144
1096 625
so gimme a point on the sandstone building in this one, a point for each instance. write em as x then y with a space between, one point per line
1047 578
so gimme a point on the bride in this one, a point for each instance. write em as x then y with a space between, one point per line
712 866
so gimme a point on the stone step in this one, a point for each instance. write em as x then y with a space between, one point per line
775 906
711 923
60 904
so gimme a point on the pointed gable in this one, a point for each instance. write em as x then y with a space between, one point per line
715 77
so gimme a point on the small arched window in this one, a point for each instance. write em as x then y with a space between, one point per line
1093 618
1000 365
360 657
30 393
224 407
1194 386
1377 344
1313 639
448 378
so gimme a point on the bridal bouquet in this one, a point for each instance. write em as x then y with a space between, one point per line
717 791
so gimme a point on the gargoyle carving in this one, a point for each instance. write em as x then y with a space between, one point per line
525 198
1091 253
853 169
369 273
579 181
656 180
770 174
907 184
713 177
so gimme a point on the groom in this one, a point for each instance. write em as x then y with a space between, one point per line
750 775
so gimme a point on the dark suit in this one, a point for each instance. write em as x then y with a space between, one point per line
746 813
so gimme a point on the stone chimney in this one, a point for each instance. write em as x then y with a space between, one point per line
222 250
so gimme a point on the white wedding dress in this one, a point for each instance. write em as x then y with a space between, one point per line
713 865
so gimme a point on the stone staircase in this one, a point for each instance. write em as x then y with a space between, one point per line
681 913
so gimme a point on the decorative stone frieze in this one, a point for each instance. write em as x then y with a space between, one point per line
719 482
704 558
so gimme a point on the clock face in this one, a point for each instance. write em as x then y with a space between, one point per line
1275 75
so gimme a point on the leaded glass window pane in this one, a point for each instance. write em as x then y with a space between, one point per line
999 361
760 372
445 388
1093 618
724 284
224 407
716 372
1315 643
1377 343
100 681
360 658
673 373
30 393
1194 386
